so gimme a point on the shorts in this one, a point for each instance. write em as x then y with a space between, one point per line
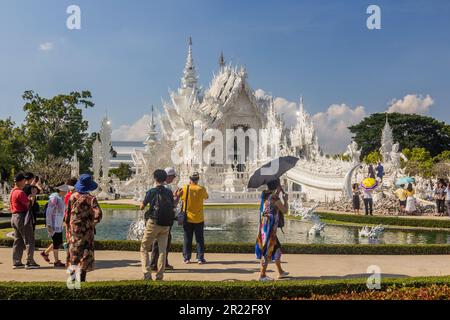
57 240
402 203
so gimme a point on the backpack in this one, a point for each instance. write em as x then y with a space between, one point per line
162 210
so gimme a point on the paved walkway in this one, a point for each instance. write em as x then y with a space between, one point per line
125 265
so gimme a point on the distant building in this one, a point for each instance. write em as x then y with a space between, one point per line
124 150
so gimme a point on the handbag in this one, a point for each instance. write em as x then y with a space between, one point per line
182 215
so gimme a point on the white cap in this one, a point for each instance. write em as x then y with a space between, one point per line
64 188
170 171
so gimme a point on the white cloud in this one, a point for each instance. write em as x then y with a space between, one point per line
288 109
411 103
46 46
134 132
332 126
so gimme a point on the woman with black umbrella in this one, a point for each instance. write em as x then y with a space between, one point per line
268 246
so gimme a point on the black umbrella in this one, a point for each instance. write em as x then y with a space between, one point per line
271 171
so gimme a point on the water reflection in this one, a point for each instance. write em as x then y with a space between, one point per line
241 225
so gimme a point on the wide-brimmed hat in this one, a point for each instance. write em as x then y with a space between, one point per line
85 183
64 188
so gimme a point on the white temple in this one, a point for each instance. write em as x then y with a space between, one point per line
230 103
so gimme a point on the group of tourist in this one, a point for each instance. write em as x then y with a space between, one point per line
71 205
406 199
160 217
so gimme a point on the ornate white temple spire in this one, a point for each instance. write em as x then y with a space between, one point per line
189 80
152 134
387 141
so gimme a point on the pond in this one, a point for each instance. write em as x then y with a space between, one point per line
241 225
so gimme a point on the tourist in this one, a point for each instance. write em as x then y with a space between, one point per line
23 229
83 213
268 247
171 175
371 172
429 192
32 185
447 198
54 219
356 198
380 171
159 219
402 197
193 196
439 196
71 183
368 201
410 199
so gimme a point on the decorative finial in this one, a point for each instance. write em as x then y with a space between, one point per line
190 41
221 60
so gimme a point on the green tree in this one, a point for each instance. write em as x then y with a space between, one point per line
373 157
123 172
56 126
409 130
13 153
420 162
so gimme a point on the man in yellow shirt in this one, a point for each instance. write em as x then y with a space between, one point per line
401 195
195 223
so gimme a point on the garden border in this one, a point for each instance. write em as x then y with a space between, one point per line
185 290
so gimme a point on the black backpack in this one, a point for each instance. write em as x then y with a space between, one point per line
162 210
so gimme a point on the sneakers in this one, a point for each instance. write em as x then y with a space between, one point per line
45 256
201 261
265 279
147 276
59 264
33 265
18 266
283 275
187 261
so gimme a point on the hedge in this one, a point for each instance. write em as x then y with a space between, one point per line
352 249
384 220
185 290
7 224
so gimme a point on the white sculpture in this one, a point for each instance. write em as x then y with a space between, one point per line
353 152
75 166
316 229
371 232
386 142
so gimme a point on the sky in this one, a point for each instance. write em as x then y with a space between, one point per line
130 53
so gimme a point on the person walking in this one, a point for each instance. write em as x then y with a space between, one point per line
371 172
171 175
410 199
159 219
193 196
83 214
356 202
380 171
439 196
54 214
401 196
368 201
23 227
268 247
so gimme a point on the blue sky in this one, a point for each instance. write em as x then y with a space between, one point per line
129 53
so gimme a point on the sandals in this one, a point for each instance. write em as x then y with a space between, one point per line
45 256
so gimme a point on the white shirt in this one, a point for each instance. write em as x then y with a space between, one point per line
367 194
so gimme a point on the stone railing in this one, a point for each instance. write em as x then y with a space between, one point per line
247 196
